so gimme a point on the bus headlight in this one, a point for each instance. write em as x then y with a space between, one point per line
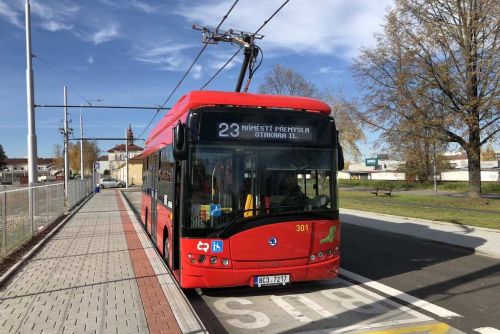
213 259
201 258
225 262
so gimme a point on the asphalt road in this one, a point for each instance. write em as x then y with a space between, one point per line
449 277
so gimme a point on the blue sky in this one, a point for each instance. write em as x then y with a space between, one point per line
133 52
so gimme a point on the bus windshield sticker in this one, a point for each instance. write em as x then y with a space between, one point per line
264 131
215 210
217 246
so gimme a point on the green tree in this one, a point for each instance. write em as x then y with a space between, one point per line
436 66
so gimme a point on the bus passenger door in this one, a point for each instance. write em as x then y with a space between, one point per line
177 216
154 196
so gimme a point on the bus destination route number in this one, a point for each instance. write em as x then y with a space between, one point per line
234 130
271 280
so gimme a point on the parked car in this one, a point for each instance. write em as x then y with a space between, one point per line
111 183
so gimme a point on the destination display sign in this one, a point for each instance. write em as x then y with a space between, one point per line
265 126
265 131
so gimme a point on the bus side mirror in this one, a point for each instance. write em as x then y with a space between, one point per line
180 143
340 154
340 158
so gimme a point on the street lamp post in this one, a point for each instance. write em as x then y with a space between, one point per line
81 136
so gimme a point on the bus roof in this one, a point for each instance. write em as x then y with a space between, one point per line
198 99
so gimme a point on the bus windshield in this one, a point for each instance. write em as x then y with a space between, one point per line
230 184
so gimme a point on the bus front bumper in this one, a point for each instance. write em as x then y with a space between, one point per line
206 277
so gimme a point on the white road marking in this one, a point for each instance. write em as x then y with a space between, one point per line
487 330
296 314
434 309
261 320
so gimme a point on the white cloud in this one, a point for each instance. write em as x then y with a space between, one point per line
55 17
104 34
10 14
90 60
197 71
168 56
146 8
324 26
220 58
330 70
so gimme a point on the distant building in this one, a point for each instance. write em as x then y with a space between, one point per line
44 165
16 170
381 168
117 155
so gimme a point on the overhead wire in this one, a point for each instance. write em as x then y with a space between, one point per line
188 70
50 67
87 77
234 55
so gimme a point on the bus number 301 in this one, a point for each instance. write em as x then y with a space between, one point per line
302 227
226 130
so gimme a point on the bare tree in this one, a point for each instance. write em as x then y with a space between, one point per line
284 81
437 65
58 156
90 152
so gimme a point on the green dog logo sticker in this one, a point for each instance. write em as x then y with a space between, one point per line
330 236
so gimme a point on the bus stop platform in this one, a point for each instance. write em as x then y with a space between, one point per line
98 274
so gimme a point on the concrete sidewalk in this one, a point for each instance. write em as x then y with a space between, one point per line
98 274
482 240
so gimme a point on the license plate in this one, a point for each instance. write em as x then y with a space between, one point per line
271 280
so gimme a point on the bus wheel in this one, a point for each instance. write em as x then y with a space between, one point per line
166 249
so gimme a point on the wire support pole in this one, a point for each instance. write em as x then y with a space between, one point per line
66 155
32 141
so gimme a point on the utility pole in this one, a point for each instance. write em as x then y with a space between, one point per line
66 132
81 146
126 152
32 147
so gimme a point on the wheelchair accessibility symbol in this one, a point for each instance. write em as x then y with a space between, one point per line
217 246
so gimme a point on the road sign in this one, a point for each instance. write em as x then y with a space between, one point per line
96 165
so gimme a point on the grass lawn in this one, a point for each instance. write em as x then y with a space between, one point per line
483 212
486 187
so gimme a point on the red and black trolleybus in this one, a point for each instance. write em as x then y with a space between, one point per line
240 189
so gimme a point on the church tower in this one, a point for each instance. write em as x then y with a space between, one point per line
130 135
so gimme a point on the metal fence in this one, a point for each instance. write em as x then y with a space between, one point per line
19 222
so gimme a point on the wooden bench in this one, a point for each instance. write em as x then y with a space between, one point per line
382 191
